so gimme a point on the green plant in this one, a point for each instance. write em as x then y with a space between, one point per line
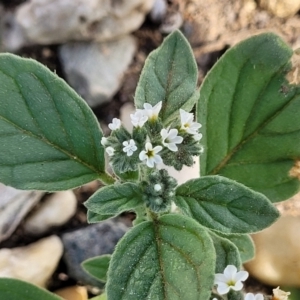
50 140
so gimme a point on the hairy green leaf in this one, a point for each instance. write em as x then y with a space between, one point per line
224 205
171 258
250 117
227 253
114 199
14 289
93 217
244 244
49 137
169 75
97 266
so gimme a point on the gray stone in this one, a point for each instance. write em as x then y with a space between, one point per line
56 210
34 263
59 21
14 205
95 70
89 242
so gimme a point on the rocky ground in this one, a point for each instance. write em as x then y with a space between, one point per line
100 53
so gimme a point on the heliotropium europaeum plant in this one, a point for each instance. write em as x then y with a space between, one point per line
246 133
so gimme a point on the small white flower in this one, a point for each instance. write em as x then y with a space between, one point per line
152 111
171 138
110 151
250 296
157 187
116 124
139 118
103 141
129 147
230 279
197 137
150 155
280 294
187 123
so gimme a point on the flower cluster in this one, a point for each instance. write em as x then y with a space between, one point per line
231 279
159 191
150 143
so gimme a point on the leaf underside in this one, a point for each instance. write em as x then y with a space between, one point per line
172 258
97 266
49 137
250 117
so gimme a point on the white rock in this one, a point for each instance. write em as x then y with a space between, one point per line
281 8
14 205
55 211
34 263
58 21
95 70
158 10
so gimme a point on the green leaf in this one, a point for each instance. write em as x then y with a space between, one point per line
171 258
250 117
224 205
244 244
97 266
114 199
49 137
93 217
100 297
169 75
227 253
14 289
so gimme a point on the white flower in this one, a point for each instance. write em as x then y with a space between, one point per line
197 137
280 294
170 138
187 123
129 147
116 124
139 118
152 111
103 141
157 187
230 279
250 296
110 151
150 155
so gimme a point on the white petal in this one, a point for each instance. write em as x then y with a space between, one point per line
173 133
142 155
148 146
241 276
157 149
172 147
103 141
249 296
223 288
230 271
164 133
259 297
157 159
177 140
238 286
125 143
150 162
220 278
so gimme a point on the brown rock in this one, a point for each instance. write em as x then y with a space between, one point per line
73 293
277 260
281 8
